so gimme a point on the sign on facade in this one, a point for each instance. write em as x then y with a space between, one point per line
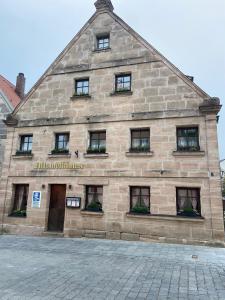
73 202
36 199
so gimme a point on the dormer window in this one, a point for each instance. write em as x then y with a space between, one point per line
103 42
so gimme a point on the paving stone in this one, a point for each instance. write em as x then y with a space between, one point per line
55 268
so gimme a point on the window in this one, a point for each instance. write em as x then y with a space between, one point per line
26 143
123 83
140 140
140 200
82 87
188 139
61 143
97 142
103 42
188 202
94 195
20 200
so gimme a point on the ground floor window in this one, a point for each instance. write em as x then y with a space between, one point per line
94 195
20 200
188 202
140 200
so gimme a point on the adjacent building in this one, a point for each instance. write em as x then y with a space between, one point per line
10 97
113 141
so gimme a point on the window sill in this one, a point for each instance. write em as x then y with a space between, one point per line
92 213
77 97
125 93
188 153
139 154
96 155
22 156
59 155
102 50
166 217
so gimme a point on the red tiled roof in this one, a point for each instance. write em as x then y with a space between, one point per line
9 90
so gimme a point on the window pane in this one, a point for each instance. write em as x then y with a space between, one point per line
136 134
20 199
188 202
144 192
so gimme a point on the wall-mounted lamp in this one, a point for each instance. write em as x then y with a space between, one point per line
43 186
77 153
70 187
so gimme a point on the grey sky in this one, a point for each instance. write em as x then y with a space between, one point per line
190 33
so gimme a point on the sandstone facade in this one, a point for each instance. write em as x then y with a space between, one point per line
161 99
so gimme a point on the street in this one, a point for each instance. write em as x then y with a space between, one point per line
58 268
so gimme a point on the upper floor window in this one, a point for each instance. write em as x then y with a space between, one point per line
26 143
188 202
97 142
82 87
140 140
140 199
19 208
123 83
103 42
94 195
188 139
61 143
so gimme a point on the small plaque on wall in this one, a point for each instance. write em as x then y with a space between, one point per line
73 202
36 199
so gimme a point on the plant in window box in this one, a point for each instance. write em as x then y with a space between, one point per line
140 149
19 213
80 94
60 151
21 152
190 149
122 90
189 212
140 209
96 150
95 204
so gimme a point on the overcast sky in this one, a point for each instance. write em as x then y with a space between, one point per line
190 33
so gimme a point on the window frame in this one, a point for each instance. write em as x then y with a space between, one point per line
22 142
139 148
189 214
122 75
149 200
87 193
22 211
82 94
188 148
102 37
58 150
90 146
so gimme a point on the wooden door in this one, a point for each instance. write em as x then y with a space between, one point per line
57 207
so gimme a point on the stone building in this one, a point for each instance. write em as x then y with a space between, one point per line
10 97
114 141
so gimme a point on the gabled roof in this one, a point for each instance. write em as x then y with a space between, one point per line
9 91
105 9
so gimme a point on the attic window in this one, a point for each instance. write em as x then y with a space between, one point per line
103 42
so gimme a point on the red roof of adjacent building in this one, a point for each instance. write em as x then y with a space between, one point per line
9 90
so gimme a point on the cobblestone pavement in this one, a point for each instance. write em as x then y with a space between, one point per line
51 268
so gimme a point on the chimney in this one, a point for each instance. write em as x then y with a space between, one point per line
20 85
104 4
